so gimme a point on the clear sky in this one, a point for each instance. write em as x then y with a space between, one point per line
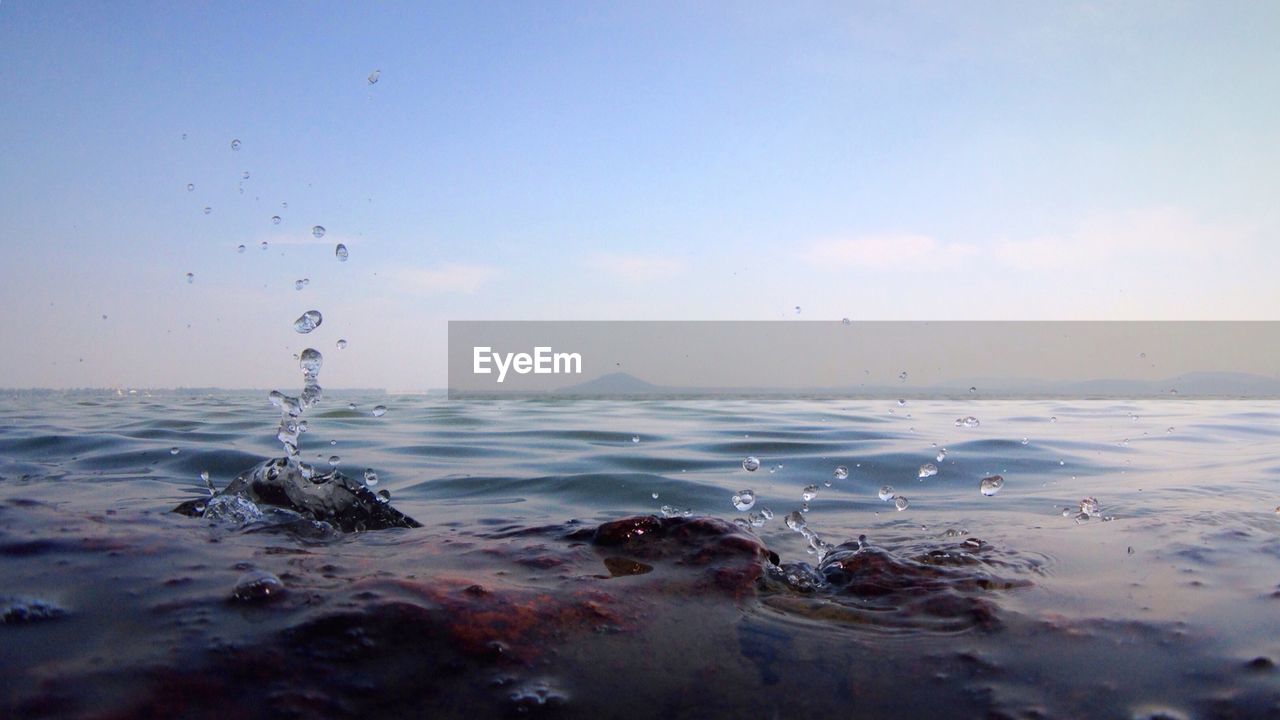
895 160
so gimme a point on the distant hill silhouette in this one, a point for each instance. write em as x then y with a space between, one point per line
618 383
1222 384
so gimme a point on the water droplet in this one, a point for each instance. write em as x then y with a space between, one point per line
333 442
308 321
240 248
900 502
1053 419
275 219
310 361
317 231
373 77
1142 356
991 485
972 389
969 422
744 500
1089 506
334 460
351 406
942 455
886 493
751 464
340 252
927 470
902 402
191 277
173 451
635 438
235 144
342 344
1062 462
841 473
1170 429
795 520
257 586
191 187
299 284
244 175
655 496
1026 440
264 245
208 210
379 410
303 426
810 492
846 321
902 375
384 495
797 309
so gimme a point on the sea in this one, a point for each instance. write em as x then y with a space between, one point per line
779 557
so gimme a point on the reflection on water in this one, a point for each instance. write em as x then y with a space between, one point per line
544 579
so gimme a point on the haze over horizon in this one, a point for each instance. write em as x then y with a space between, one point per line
886 161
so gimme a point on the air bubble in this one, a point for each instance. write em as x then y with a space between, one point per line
257 586
751 464
841 473
886 493
900 502
810 492
744 500
927 470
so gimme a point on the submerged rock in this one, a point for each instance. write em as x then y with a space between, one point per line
328 497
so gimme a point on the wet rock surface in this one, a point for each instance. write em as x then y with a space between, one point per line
330 497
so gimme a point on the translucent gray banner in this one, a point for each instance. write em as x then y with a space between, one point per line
864 359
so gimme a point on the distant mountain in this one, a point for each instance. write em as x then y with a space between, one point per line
618 383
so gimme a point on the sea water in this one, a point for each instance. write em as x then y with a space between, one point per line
1126 564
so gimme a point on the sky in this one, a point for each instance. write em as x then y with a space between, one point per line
613 161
